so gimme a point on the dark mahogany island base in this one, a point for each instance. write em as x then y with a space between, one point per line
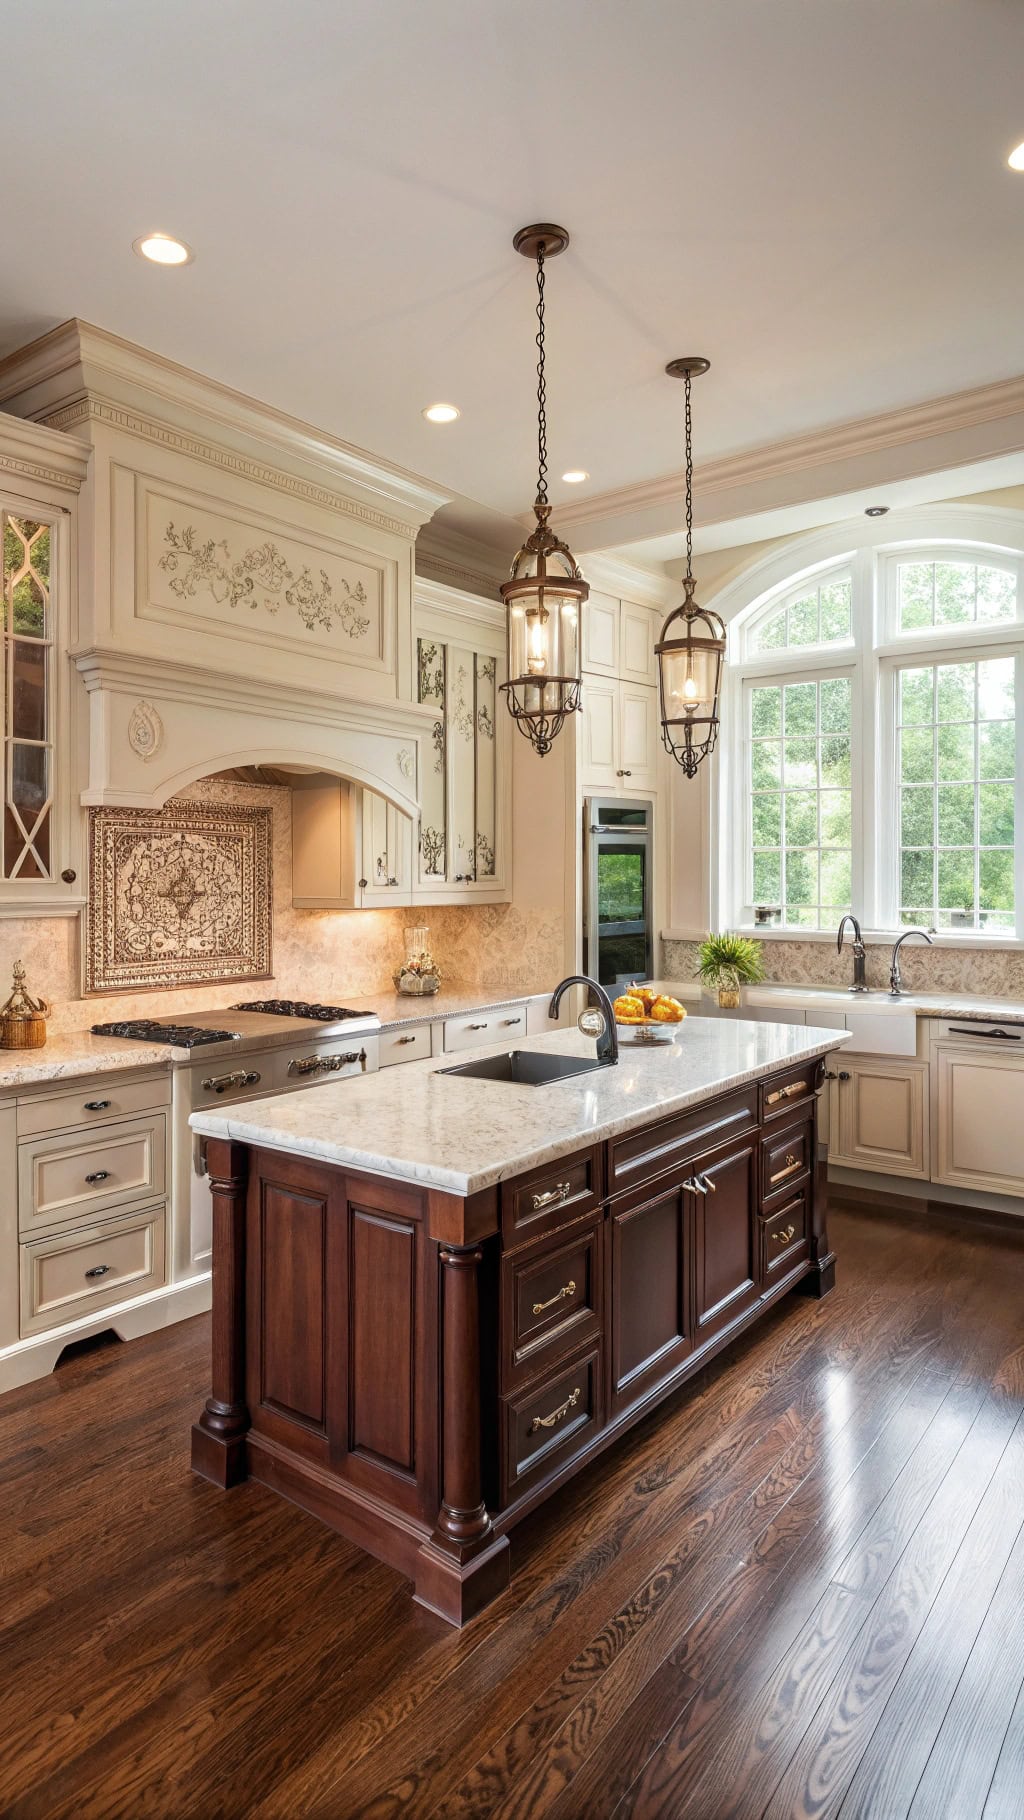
420 1370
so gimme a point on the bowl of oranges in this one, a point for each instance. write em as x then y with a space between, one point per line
646 1015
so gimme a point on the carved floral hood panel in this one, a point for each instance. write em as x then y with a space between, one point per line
204 565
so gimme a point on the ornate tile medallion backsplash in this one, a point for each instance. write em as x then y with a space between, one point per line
991 973
318 954
177 897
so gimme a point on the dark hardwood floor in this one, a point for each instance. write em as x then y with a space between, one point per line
797 1589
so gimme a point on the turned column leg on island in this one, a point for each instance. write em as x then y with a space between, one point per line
463 1565
218 1437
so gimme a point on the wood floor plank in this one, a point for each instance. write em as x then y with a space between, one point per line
190 1655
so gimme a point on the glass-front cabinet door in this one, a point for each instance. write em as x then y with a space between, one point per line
464 792
38 850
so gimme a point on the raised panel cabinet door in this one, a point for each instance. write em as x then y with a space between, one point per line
879 1115
638 737
638 633
726 1249
649 1295
979 1115
599 733
600 635
431 671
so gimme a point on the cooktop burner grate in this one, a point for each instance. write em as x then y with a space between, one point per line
296 1007
178 1036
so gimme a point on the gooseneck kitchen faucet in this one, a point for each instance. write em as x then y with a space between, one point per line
608 1041
895 978
859 982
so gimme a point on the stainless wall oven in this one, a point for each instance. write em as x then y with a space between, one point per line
618 940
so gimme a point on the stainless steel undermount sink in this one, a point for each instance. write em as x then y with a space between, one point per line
527 1068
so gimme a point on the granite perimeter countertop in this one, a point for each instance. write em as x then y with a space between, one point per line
451 1131
72 1053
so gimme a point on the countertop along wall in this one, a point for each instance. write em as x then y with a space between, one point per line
317 954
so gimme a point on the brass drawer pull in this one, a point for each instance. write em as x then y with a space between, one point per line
557 1415
793 1163
98 1175
783 1236
406 1039
478 1026
560 1192
567 1289
95 1105
98 1270
220 1083
786 1093
707 1186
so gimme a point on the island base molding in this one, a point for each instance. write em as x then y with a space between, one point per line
420 1372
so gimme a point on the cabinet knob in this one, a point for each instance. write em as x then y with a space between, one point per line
623 773
69 875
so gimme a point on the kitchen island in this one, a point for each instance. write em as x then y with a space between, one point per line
436 1297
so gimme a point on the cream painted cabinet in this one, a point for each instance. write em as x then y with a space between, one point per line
619 638
462 850
41 863
878 1114
619 733
350 847
978 1113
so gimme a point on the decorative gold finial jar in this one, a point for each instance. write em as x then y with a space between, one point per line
23 1018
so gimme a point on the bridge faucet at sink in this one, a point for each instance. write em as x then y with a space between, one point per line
608 1041
859 982
895 979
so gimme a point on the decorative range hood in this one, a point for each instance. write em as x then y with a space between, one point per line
244 580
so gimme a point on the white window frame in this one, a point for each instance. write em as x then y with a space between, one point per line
878 650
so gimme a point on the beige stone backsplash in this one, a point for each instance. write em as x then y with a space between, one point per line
317 954
990 972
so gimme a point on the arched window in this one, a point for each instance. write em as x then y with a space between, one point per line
870 738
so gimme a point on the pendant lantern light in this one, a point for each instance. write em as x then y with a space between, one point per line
692 643
545 591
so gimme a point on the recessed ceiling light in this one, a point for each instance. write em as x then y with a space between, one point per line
163 249
875 511
575 475
1016 158
442 413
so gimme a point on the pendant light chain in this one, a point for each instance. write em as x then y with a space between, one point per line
689 482
542 420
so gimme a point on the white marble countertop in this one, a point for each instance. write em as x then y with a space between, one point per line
77 1052
450 1131
918 1004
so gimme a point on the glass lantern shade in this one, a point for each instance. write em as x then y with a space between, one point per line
690 653
542 612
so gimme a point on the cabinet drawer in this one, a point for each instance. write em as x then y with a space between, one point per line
93 1105
785 1160
549 1423
66 1277
790 1095
403 1046
82 1174
785 1238
639 1156
484 1027
551 1299
550 1197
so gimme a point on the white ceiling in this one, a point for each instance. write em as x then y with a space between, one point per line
813 193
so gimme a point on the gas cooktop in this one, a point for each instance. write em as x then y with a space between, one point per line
297 1007
153 1030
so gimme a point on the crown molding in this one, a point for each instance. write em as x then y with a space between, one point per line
466 562
42 453
95 409
458 603
77 361
631 581
950 432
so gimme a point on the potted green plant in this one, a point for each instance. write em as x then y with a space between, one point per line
727 962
